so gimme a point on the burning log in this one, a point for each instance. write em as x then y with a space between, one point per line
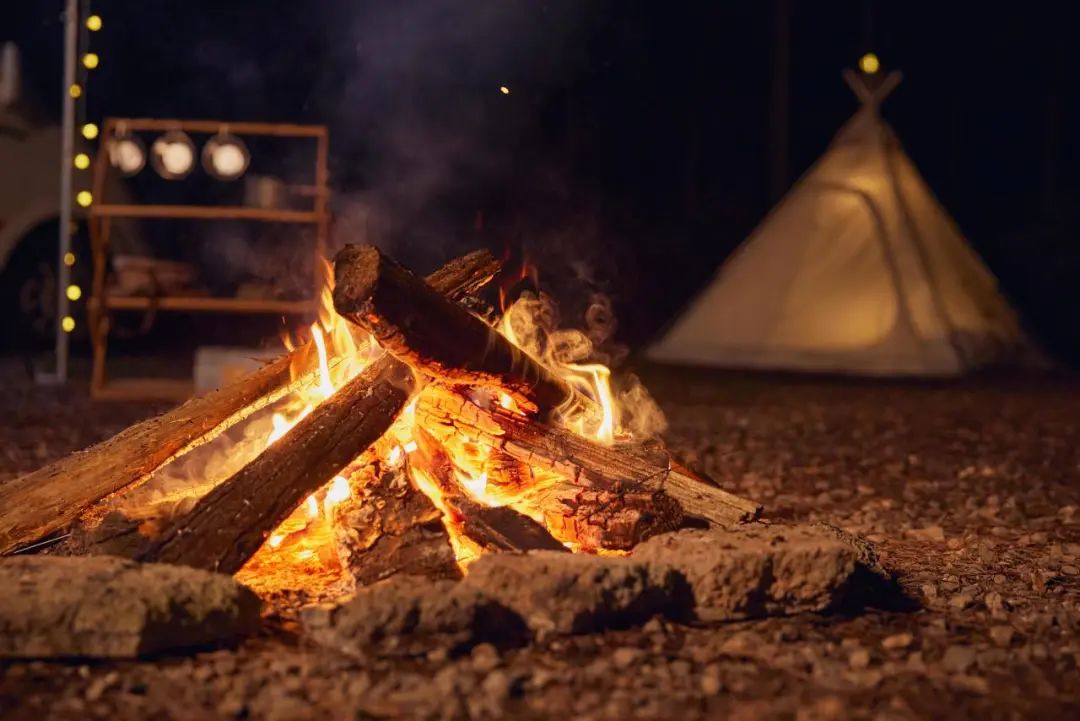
227 526
614 518
387 527
421 328
498 528
585 462
51 498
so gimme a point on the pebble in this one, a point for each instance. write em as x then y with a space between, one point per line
929 533
995 603
1070 570
626 656
859 659
958 659
1002 635
100 685
897 641
961 601
485 657
711 683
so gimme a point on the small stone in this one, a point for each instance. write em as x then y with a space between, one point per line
496 688
1002 635
995 603
626 656
961 601
711 682
100 685
929 590
929 533
974 684
1070 570
958 659
485 657
859 659
232 706
654 625
897 641
742 643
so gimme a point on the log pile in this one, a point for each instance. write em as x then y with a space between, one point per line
443 365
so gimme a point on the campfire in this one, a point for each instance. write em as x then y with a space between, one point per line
414 430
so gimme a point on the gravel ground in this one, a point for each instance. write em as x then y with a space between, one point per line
969 490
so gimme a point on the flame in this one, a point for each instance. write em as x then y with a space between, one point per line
454 469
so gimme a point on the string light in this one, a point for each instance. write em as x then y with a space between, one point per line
68 324
504 90
90 61
82 161
93 23
75 90
869 63
89 131
74 292
69 259
84 198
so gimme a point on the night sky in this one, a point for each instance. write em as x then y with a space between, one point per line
633 152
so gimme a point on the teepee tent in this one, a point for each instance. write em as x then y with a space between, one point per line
858 270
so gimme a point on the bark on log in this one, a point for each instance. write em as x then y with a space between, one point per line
495 529
387 527
616 518
50 499
228 525
585 462
442 339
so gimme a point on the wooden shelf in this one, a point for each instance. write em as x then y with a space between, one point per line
208 305
145 389
205 212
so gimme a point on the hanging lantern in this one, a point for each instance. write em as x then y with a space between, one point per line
225 157
127 153
173 155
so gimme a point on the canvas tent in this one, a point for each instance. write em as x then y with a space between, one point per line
858 270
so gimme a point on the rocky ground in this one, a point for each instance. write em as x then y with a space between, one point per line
969 491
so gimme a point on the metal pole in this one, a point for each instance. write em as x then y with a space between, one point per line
63 275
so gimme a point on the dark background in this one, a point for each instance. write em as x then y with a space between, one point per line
634 150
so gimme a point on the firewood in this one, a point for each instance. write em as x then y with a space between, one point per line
615 518
582 461
387 527
50 499
421 328
497 529
227 525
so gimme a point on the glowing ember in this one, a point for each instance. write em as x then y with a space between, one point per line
446 465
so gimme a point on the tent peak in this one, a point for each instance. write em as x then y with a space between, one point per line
871 90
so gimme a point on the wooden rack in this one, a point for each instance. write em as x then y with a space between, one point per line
101 303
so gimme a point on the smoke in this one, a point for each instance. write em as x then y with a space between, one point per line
423 136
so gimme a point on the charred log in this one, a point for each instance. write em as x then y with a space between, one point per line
496 529
585 462
228 525
388 528
50 499
442 339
